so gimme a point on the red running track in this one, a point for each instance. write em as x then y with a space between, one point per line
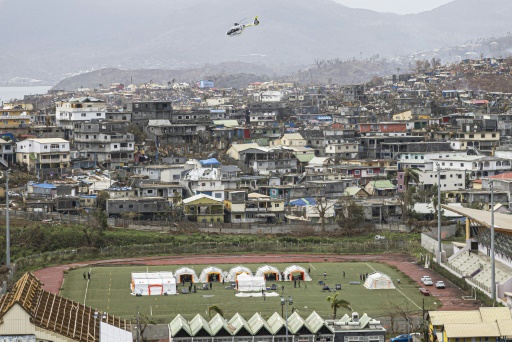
451 297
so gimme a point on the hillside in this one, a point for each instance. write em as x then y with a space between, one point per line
158 34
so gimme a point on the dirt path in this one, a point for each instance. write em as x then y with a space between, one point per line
451 297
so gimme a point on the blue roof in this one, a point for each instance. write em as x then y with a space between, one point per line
44 186
211 161
301 202
88 196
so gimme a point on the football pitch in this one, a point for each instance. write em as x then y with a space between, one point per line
109 290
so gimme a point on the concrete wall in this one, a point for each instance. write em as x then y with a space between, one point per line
430 245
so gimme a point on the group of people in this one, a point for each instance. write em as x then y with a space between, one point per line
87 275
363 276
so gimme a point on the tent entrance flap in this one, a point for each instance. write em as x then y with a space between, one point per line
213 277
158 291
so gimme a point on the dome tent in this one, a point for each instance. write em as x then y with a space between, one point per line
377 281
297 272
269 272
235 271
185 274
210 274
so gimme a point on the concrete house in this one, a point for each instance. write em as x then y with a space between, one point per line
204 208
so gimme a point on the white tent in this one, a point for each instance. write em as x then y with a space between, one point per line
247 282
185 274
297 272
210 274
377 281
235 271
269 272
153 284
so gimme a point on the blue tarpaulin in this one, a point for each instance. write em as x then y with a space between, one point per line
209 162
301 202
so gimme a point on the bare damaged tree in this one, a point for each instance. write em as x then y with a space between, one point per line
94 227
321 208
401 311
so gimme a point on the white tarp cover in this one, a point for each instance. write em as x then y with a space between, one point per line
187 271
268 270
295 271
247 283
109 333
377 281
153 284
235 271
257 294
211 272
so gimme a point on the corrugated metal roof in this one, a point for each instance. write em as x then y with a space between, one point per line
217 323
239 322
197 323
492 314
458 330
314 322
443 317
276 323
256 322
505 326
295 322
177 324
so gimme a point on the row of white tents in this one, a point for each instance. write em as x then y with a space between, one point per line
162 283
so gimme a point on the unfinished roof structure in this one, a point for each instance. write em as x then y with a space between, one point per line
53 314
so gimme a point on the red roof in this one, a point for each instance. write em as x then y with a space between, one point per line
506 175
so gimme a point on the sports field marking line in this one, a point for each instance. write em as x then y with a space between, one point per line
312 266
87 286
403 294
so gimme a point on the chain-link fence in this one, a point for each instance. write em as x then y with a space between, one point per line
201 248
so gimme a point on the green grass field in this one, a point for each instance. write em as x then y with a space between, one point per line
108 290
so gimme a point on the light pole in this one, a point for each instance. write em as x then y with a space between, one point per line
493 270
285 301
7 223
439 252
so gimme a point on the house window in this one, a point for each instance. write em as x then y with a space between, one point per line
121 206
130 206
150 191
115 146
84 115
218 195
98 114
357 172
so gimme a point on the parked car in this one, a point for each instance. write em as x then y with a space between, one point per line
402 338
424 291
428 282
440 284
425 277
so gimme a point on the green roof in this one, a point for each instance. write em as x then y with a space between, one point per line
305 158
382 184
351 191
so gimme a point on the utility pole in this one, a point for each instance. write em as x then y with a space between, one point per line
439 251
493 262
7 223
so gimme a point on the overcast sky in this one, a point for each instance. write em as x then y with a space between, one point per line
395 6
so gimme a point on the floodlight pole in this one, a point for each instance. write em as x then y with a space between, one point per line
493 262
439 252
285 301
7 223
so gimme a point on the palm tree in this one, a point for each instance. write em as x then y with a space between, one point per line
216 309
337 303
411 175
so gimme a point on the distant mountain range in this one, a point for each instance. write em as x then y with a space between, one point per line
52 39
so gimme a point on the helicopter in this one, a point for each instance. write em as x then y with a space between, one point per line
238 28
